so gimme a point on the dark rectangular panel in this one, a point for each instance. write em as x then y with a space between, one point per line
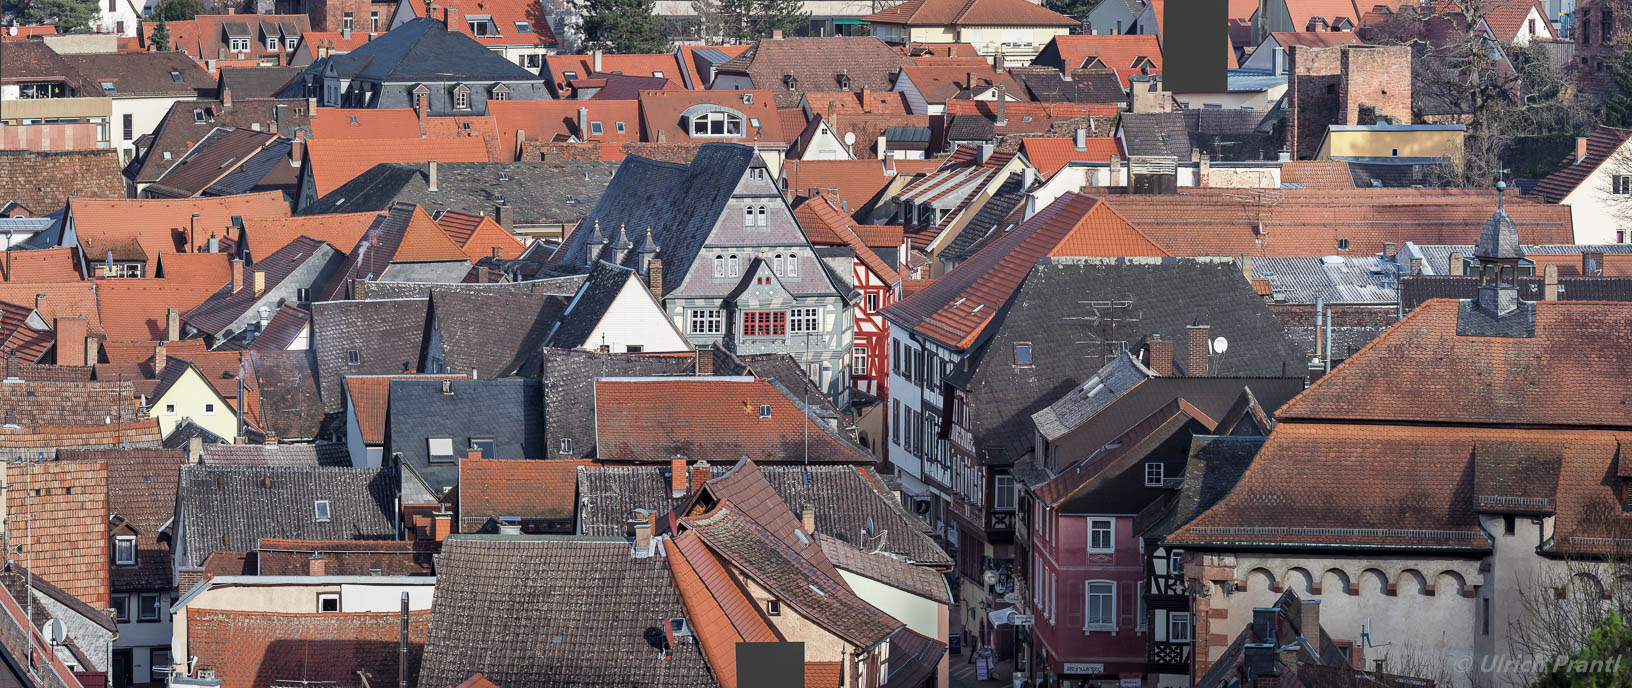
771 665
1195 45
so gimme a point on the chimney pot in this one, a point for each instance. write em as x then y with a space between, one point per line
260 282
441 524
654 278
237 274
70 334
1550 283
1197 350
159 359
1580 148
172 325
699 474
1309 620
430 183
1455 267
195 450
318 566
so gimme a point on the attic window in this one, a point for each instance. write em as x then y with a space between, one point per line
566 445
175 76
354 357
320 511
790 82
124 550
107 87
440 448
773 607
596 129
764 410
1154 473
523 27
658 75
1022 353
198 115
1342 244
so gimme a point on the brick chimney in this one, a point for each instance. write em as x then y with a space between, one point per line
195 450
317 565
260 282
1580 148
430 176
677 477
441 524
704 365
866 99
505 216
1161 355
226 98
654 277
643 535
1197 349
70 340
1115 172
1550 287
172 325
807 518
297 151
699 474
1455 267
159 359
237 274
13 366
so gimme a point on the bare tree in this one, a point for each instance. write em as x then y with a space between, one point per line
1562 604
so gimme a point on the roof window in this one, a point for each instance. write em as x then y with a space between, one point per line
523 27
320 511
440 448
764 410
175 76
107 86
1022 353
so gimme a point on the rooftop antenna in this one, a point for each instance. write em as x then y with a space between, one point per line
1108 315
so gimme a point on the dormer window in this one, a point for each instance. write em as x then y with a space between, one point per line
289 42
124 550
272 43
461 97
717 123
791 83
238 45
499 92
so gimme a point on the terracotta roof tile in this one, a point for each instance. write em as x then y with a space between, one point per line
824 674
557 68
1123 53
292 557
334 162
204 37
1571 172
548 120
479 236
1317 174
42 265
816 64
712 419
660 114
505 14
525 488
970 13
43 181
1051 154
859 183
820 213
718 608
261 649
1315 39
142 492
166 226
367 396
58 513
136 309
265 236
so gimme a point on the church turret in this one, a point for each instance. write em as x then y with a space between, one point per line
620 248
647 252
597 245
1498 254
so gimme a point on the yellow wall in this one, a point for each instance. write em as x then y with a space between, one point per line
58 107
189 395
1411 144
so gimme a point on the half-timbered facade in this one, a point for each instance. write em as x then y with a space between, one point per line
874 283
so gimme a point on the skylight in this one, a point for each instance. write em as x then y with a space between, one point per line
818 591
523 27
175 76
107 86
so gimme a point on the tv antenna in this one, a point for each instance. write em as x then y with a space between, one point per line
1104 319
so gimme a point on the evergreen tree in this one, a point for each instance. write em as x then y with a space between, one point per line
1601 664
1075 9
1618 105
746 21
622 26
769 16
67 15
160 38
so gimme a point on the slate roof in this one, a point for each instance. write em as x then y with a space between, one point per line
1349 280
189 120
282 330
568 379
215 156
1571 173
43 181
816 63
142 492
543 631
256 649
920 581
537 192
601 287
849 499
1214 466
1225 135
991 217
230 507
419 51
1049 85
1166 296
332 454
256 82
491 334
716 419
225 306
510 412
286 383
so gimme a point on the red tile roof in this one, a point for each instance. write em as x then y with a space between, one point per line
824 674
660 114
165 226
312 40
716 606
876 102
137 309
334 162
663 65
367 396
1317 174
525 488
970 13
57 300
479 236
1506 18
1119 52
42 265
259 649
1050 154
265 237
819 217
1314 39
713 419
956 308
1303 11
547 120
288 557
1309 222
404 123
204 37
942 79
1571 172
858 182
689 62
57 514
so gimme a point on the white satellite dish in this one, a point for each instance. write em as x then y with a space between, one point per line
56 631
1220 345
849 138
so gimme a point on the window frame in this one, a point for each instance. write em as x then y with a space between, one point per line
1189 626
1012 492
705 321
565 445
326 596
491 449
1160 473
121 607
461 98
764 324
233 45
430 450
858 361
209 408
805 320
1026 360
1110 535
142 607
119 541
1108 592
354 357
322 511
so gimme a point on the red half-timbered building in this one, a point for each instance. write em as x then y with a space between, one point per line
874 277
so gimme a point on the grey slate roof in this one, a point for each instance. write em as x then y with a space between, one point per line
256 82
536 192
1048 85
885 569
424 50
1348 280
680 203
188 429
549 612
1166 296
991 215
385 334
607 494
1499 238
1228 135
331 454
1105 387
491 333
559 286
510 412
226 306
1389 174
290 407
1215 465
232 507
568 379
601 287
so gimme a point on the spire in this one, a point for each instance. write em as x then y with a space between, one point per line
1499 239
1498 253
622 243
596 245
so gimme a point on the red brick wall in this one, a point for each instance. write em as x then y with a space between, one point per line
1329 86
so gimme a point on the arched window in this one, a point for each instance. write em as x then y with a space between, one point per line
762 221
748 216
719 266
736 267
776 264
791 269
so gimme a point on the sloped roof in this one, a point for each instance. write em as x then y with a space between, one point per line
292 557
817 215
227 304
569 380
501 487
478 235
713 419
43 181
255 649
970 12
420 50
716 606
1571 173
142 491
144 73
816 64
368 396
62 527
542 631
166 226
920 581
406 233
492 334
509 411
507 16
337 161
1050 154
536 192
232 507
1118 52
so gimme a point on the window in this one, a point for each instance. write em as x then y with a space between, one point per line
1100 535
761 212
121 608
619 127
596 129
347 23
735 266
209 409
1531 26
895 415
1101 604
373 22
1484 622
1623 183
1607 24
858 361
130 127
461 98
776 264
1175 561
773 607
124 550
272 44
320 511
806 320
1178 627
499 94
764 323
198 118
1022 353
658 74
169 409
239 45
483 445
523 27
290 42
872 303
1154 474
793 265
634 348
353 357
764 410
1586 33
147 607
1003 493
441 449
748 216
716 124
533 61
566 445
707 321
328 602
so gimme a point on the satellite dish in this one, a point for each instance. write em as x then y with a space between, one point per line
56 631
1220 345
849 138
